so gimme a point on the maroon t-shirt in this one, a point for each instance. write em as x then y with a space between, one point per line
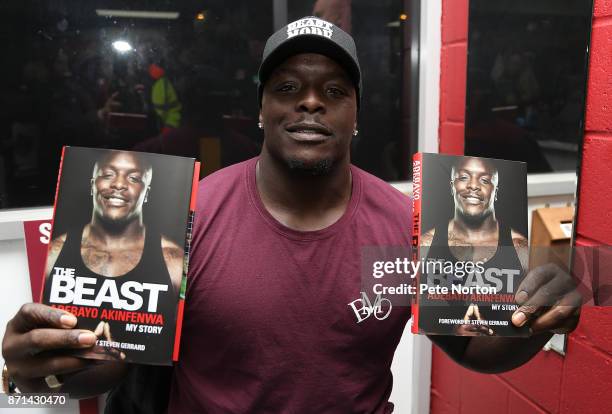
267 326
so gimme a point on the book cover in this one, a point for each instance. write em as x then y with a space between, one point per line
470 237
119 250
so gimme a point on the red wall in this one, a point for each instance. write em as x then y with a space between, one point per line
453 74
581 382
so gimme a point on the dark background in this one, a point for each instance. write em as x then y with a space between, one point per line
60 69
168 202
526 81
437 199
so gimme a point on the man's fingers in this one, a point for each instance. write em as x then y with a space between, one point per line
37 315
474 330
477 312
469 313
545 296
536 278
41 366
522 315
481 330
562 317
107 333
38 340
99 329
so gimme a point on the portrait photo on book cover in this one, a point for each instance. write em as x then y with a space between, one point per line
118 246
482 193
474 214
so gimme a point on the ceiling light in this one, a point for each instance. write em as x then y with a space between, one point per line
138 14
122 46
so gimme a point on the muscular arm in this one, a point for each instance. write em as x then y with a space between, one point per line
173 256
95 380
491 354
522 248
427 238
37 343
548 303
54 251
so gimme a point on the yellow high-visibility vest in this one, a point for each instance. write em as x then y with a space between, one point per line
166 103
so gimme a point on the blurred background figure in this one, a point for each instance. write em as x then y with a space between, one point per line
336 11
164 99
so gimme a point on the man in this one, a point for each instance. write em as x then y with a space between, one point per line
112 243
276 259
474 234
115 242
474 187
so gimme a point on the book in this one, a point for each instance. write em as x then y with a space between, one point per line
470 237
119 250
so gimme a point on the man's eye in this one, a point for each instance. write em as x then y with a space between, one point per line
463 178
134 179
336 91
286 87
485 181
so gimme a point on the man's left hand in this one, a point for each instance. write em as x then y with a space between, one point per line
549 301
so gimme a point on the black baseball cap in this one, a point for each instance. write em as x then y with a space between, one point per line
310 35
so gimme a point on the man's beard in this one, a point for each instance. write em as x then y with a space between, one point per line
475 220
116 225
310 169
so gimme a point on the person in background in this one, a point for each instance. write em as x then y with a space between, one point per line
276 259
165 99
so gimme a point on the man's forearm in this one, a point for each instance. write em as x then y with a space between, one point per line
491 354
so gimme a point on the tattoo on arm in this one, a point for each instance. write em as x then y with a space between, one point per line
427 238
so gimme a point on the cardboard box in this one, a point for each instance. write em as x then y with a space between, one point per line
551 233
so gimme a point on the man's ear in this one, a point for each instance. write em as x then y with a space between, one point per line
91 185
260 124
147 193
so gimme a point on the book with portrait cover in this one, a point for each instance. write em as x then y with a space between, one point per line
469 239
119 250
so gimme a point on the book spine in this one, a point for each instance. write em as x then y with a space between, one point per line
417 180
59 177
181 302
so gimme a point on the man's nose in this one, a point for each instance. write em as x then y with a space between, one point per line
474 184
311 101
120 182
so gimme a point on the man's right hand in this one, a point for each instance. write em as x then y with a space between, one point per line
37 342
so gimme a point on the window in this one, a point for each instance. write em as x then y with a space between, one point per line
177 78
527 69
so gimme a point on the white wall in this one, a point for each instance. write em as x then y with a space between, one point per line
15 287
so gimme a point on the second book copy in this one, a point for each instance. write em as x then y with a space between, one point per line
470 217
119 250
